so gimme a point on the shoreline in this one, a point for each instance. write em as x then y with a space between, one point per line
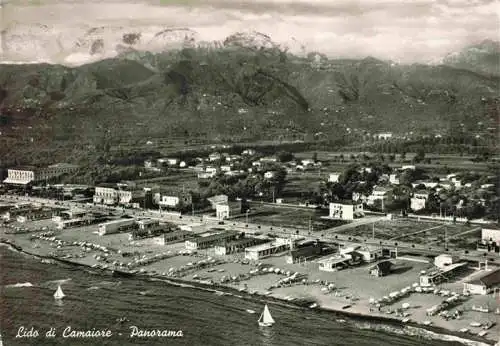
362 321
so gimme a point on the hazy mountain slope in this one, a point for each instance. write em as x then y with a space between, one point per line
232 93
483 57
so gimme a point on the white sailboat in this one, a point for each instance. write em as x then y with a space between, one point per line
265 319
59 293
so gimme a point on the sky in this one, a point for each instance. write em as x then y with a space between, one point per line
405 31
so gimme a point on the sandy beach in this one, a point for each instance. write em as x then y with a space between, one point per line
349 291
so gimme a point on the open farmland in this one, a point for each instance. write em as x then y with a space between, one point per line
186 179
293 218
418 232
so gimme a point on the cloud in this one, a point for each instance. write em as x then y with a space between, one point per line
401 30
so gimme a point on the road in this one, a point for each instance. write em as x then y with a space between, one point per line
329 235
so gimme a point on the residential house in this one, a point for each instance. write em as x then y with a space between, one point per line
346 210
209 172
419 200
427 183
233 158
214 157
148 164
268 159
269 174
408 167
394 179
379 193
384 135
226 210
249 152
334 177
491 235
307 163
225 168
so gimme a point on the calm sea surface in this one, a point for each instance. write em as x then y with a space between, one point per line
95 301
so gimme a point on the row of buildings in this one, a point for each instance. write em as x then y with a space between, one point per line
32 175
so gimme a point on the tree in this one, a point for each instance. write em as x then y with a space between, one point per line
420 156
284 156
315 157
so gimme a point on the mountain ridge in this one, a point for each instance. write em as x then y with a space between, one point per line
233 94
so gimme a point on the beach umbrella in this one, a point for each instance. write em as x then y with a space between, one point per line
372 300
406 305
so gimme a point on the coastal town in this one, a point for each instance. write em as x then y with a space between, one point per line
404 236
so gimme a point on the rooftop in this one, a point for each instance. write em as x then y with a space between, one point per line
488 279
346 202
265 246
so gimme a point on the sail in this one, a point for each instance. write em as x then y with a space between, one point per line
59 293
266 316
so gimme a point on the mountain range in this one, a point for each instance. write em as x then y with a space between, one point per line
243 89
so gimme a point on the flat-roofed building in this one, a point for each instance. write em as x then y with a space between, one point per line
29 174
258 252
491 234
113 194
484 283
346 210
176 236
335 262
235 246
211 239
35 214
334 177
437 275
307 250
379 193
227 210
117 226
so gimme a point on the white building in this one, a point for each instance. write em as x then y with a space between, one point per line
227 210
334 177
445 260
419 200
394 179
258 252
26 175
491 235
379 194
269 175
384 135
214 157
114 195
168 201
218 199
484 283
347 210
248 152
116 226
